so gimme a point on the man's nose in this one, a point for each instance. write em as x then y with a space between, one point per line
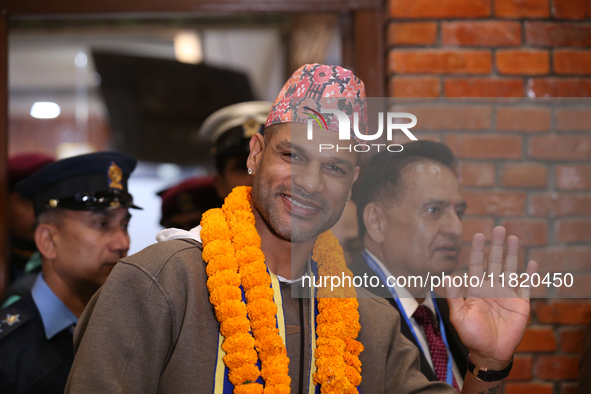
120 241
308 177
452 226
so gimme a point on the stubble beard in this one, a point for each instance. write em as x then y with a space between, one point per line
267 203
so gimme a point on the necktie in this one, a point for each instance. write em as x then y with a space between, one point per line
425 318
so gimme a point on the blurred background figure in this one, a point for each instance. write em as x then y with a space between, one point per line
81 208
229 130
183 204
347 232
21 217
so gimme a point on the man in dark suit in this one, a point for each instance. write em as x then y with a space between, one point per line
410 209
81 209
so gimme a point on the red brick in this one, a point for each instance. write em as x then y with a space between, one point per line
568 388
562 259
440 61
485 146
477 174
560 147
557 367
473 225
415 87
449 116
573 119
522 366
530 232
524 175
522 8
497 203
572 61
574 230
573 177
400 138
412 33
557 34
579 288
559 87
439 9
529 388
570 9
483 87
523 61
530 119
571 339
563 312
537 339
555 204
481 33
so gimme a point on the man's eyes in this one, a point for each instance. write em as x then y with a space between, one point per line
434 210
336 169
291 155
107 225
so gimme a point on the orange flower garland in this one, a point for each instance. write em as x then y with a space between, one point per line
337 355
231 249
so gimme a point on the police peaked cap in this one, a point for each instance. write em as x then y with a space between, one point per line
96 181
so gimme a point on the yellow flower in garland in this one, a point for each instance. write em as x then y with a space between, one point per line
231 249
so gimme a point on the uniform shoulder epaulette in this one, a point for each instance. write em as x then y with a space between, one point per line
14 316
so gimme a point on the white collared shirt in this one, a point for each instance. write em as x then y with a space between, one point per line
410 305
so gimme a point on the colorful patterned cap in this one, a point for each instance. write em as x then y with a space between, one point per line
315 87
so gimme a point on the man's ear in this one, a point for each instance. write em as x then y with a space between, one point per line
375 222
257 148
355 176
44 238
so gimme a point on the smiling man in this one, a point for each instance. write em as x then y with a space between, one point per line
81 207
216 309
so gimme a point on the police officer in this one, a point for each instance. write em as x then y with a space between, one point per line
81 206
183 204
230 129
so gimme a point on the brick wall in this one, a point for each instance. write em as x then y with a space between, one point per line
533 173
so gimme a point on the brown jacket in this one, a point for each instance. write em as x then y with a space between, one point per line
151 329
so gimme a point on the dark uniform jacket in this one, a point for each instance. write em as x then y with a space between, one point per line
459 352
29 362
152 329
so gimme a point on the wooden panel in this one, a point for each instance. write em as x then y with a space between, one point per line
3 149
347 39
370 56
67 7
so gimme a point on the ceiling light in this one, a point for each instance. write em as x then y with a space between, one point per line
187 47
45 110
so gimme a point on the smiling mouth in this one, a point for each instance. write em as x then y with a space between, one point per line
298 204
301 208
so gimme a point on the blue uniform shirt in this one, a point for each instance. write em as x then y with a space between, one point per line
54 313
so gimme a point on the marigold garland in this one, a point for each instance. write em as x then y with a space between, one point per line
231 249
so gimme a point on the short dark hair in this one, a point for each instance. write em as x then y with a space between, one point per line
222 160
381 178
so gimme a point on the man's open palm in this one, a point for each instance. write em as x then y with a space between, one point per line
491 320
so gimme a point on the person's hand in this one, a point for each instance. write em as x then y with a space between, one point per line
491 320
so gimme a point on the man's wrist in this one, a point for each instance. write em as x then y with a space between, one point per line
488 369
490 363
